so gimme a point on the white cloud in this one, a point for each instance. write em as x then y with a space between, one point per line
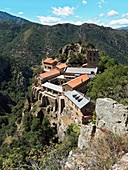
118 23
112 13
65 11
48 20
76 22
94 21
125 15
100 3
77 16
101 15
84 1
20 13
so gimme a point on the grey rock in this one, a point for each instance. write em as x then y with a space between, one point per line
121 164
112 116
86 134
61 131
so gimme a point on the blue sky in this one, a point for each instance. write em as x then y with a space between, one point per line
113 13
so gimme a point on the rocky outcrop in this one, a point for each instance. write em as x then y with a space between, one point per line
86 134
73 49
75 161
64 120
76 48
121 164
98 148
112 116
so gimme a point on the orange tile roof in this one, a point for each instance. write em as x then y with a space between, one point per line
61 66
77 81
50 73
49 60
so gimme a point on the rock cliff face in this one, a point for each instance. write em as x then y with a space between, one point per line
73 49
64 120
121 164
98 148
86 134
111 116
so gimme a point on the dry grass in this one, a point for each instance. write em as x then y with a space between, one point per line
105 150
108 149
67 120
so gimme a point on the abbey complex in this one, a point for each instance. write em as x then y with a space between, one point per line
63 94
61 85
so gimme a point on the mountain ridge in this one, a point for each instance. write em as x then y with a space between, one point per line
123 28
29 132
34 41
4 16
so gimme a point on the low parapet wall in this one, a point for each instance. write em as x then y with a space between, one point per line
47 99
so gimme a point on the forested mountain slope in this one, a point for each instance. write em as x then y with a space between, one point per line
4 16
27 140
33 41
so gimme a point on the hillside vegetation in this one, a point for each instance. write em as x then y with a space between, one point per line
112 83
33 41
4 16
31 137
28 141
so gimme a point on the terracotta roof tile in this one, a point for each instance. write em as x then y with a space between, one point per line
50 73
77 81
49 60
61 66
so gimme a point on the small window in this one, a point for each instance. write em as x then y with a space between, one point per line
94 59
90 59
92 72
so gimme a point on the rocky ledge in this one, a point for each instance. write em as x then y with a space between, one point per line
103 145
112 116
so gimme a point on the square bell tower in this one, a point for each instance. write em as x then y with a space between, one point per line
92 58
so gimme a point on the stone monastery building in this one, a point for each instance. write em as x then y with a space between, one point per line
59 86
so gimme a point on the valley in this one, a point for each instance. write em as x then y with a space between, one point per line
63 96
